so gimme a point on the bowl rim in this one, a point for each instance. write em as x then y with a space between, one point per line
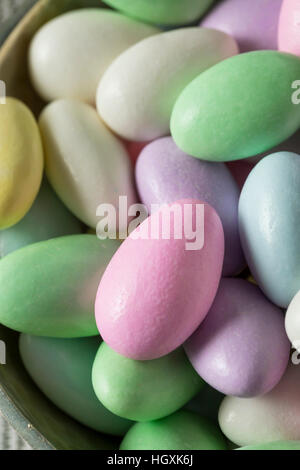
8 409
20 424
11 34
10 23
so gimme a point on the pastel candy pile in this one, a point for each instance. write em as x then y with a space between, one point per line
164 173
155 202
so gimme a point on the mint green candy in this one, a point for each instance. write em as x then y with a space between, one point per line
183 430
280 445
48 218
239 107
62 368
144 390
166 12
49 288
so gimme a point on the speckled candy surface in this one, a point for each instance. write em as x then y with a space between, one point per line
165 174
269 225
289 27
241 348
183 430
155 292
62 368
135 98
144 390
85 163
69 54
246 95
271 417
253 23
48 289
167 12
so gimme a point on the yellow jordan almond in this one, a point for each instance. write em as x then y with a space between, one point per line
21 161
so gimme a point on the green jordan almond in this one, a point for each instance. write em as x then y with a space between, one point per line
238 108
144 390
167 12
183 430
49 288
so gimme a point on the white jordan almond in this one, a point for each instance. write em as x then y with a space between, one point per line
68 55
85 163
267 418
138 91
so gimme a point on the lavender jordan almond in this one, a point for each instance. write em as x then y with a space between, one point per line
241 348
253 23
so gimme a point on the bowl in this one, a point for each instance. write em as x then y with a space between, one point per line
40 423
8 25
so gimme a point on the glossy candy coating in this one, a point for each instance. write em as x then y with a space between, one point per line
155 292
183 430
271 417
144 390
21 161
253 23
62 368
246 95
70 53
167 12
85 163
48 289
135 98
241 348
269 216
